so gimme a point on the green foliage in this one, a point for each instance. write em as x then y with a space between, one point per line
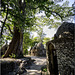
2 55
22 15
52 38
44 68
27 42
45 40
66 4
35 41
12 56
25 52
2 41
40 33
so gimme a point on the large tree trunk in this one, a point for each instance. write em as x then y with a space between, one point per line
15 45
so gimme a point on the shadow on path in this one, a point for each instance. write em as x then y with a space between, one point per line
35 68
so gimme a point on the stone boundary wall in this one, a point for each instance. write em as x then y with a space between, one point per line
11 66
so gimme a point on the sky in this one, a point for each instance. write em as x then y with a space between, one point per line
71 2
50 32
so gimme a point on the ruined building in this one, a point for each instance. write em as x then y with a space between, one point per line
38 50
60 51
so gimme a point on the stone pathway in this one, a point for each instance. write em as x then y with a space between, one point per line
35 68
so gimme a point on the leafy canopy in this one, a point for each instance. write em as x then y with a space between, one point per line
21 13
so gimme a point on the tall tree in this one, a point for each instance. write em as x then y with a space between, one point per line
40 34
21 15
9 8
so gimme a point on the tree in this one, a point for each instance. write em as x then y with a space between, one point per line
20 14
15 15
35 41
41 34
45 40
27 42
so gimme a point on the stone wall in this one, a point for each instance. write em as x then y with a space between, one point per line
64 46
65 56
11 66
65 30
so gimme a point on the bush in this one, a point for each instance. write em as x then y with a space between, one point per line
44 68
12 56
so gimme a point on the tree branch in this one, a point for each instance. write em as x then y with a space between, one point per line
1 21
54 12
4 23
49 11
10 29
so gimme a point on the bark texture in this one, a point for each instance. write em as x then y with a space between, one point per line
15 45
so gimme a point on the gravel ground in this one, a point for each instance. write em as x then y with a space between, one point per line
35 68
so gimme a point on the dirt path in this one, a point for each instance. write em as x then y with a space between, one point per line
35 69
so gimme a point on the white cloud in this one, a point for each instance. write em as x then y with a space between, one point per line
49 32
